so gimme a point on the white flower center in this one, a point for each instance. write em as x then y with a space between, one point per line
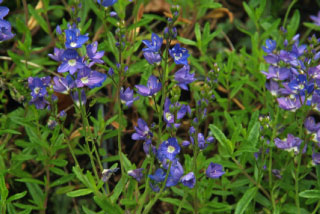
72 62
171 149
168 116
36 90
84 80
73 44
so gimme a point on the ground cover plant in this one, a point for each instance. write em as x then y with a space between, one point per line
159 106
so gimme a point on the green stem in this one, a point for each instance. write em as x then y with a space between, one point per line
316 208
195 189
287 13
180 205
155 199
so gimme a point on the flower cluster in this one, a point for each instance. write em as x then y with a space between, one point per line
5 26
76 67
293 73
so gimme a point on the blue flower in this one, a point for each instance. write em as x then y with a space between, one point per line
107 3
75 97
168 149
142 131
152 57
316 19
57 54
154 45
3 11
176 172
5 30
316 158
106 174
90 78
158 176
153 86
179 55
189 180
214 170
136 174
183 77
71 62
127 96
311 125
63 85
291 143
38 87
74 39
270 46
93 55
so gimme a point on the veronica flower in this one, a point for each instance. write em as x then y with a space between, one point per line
154 45
75 97
142 131
270 46
179 55
63 85
90 78
176 172
167 115
136 174
38 86
107 3
152 57
168 149
93 54
158 176
106 174
74 39
311 125
214 170
5 30
3 11
291 104
183 77
127 96
153 86
291 143
316 158
57 54
316 19
71 62
277 73
189 180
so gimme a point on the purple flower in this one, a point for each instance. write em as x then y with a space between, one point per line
71 62
168 149
75 97
287 103
316 158
273 87
5 30
185 143
316 19
90 78
38 86
63 85
179 55
158 176
176 172
58 30
311 125
74 39
3 11
127 96
189 180
154 45
93 54
136 174
153 86
270 46
142 131
276 173
107 3
291 143
147 146
167 115
152 57
183 77
106 173
276 73
57 54
214 170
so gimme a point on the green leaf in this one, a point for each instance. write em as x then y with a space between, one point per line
254 134
198 34
30 180
17 196
36 194
310 194
186 41
249 11
9 131
177 202
87 211
245 200
79 192
38 18
118 189
219 135
293 24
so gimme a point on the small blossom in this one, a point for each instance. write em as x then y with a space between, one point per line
71 62
5 30
107 3
311 125
63 85
291 143
142 131
152 57
189 180
316 19
74 39
270 46
127 96
90 78
316 158
183 77
168 149
214 170
136 174
154 45
153 86
93 55
106 174
57 54
176 172
179 55
75 97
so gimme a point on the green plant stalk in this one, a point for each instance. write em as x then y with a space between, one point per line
316 208
195 188
183 199
287 13
154 200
